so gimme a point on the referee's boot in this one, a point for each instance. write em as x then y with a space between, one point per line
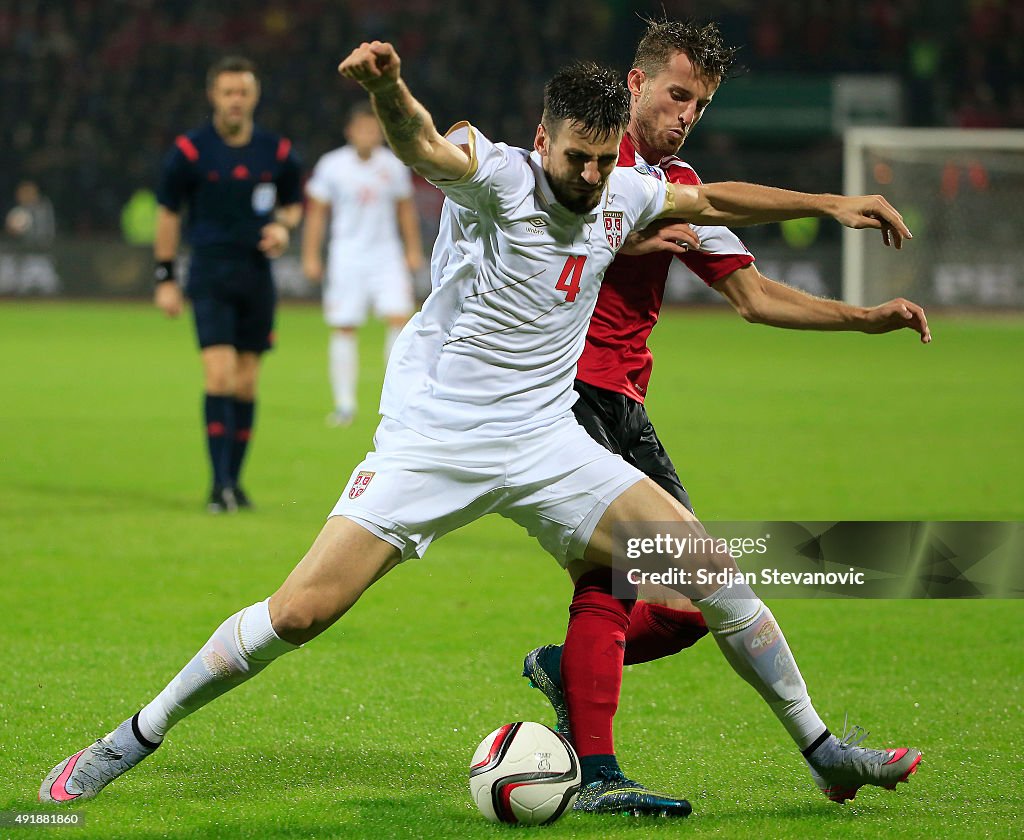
242 500
222 500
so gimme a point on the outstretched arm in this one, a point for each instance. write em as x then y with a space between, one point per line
763 301
407 124
738 204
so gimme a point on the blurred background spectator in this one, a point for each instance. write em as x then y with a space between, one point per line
92 91
30 220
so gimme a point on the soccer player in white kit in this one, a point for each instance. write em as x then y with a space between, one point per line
374 248
477 402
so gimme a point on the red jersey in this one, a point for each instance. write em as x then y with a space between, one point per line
616 356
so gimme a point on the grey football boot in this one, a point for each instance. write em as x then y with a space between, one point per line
840 767
87 772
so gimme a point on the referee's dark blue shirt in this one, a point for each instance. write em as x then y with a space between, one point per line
229 191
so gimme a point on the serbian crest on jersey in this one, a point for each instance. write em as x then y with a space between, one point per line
613 228
361 482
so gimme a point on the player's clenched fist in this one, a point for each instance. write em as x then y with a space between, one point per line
373 65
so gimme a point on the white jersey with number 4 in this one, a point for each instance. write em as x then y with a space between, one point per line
362 195
515 278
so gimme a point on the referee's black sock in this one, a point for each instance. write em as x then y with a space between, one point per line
245 410
219 413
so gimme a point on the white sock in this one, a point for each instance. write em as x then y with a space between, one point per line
239 649
389 342
344 361
752 641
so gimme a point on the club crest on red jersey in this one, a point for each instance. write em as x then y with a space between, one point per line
613 228
361 482
647 169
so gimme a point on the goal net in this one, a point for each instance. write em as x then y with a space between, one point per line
961 193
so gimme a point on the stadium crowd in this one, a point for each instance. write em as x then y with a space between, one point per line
92 92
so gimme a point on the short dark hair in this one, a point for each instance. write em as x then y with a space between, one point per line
230 64
361 109
702 44
592 96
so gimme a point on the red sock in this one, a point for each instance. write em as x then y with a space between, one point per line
592 661
656 631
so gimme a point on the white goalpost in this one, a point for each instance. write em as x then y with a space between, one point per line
962 195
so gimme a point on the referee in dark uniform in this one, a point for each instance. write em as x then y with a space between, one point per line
241 187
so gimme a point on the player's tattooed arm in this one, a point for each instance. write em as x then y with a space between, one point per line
407 124
397 112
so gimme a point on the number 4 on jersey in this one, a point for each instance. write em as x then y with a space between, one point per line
569 280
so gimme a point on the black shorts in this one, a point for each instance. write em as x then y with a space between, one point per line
233 300
621 425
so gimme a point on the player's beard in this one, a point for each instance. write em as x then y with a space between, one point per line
664 142
574 200
673 141
660 140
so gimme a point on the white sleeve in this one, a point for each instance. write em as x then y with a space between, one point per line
646 190
489 178
719 240
319 186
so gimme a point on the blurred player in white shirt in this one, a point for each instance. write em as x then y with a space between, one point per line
374 247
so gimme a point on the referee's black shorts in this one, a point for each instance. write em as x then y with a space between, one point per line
621 425
233 301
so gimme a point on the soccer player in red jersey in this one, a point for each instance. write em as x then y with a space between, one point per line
676 72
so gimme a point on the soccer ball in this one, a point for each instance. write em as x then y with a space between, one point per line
524 773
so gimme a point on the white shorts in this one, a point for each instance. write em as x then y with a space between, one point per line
556 482
352 290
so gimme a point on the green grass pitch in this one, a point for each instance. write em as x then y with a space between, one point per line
113 575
